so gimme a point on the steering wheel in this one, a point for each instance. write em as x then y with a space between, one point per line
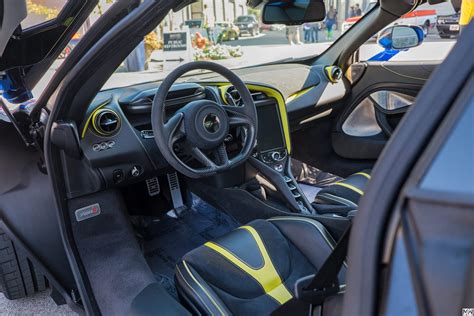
202 126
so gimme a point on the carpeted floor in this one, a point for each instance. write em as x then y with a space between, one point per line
167 239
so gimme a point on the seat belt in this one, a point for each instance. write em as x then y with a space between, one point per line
312 290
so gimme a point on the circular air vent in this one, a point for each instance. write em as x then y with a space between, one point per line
106 122
232 96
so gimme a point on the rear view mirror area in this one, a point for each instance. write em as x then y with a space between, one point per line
399 37
293 12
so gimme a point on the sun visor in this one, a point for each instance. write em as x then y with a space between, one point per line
12 13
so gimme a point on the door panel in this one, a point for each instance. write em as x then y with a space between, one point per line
383 94
343 147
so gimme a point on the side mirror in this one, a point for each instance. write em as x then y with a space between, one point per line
399 37
293 12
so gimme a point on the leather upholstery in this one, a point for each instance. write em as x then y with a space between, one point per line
253 269
346 192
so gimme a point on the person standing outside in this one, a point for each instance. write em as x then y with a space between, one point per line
330 21
358 11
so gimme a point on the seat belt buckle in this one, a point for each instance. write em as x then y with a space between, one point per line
314 296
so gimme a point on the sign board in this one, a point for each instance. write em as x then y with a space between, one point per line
176 41
177 49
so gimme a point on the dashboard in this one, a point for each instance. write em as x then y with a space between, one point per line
118 142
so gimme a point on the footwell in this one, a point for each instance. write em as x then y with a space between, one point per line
168 238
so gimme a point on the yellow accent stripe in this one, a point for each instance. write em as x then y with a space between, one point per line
363 174
351 187
203 289
89 119
192 289
271 92
298 94
267 276
328 70
281 106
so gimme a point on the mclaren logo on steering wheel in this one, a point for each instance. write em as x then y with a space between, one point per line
212 123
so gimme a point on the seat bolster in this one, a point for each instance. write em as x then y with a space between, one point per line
346 192
197 292
310 237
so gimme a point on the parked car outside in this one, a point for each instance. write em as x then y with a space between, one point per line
448 25
247 24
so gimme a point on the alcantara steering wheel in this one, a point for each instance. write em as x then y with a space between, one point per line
201 126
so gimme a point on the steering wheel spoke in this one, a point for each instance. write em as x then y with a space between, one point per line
202 158
174 129
222 156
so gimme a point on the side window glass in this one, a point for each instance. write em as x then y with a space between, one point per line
392 101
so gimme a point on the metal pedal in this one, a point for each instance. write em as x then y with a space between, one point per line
176 196
153 186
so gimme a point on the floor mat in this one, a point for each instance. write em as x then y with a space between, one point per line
168 238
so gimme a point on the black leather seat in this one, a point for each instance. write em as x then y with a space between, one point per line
253 269
346 192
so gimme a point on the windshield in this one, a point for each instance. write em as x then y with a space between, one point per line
203 31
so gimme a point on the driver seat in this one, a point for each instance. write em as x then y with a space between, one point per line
253 269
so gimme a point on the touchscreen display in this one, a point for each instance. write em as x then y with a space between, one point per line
270 135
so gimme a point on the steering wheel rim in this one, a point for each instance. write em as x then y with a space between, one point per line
203 124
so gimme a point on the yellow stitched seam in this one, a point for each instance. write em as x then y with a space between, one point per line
202 288
363 174
266 276
192 289
351 187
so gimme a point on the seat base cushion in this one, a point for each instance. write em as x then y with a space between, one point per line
254 268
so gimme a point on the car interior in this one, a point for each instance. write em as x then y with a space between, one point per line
185 189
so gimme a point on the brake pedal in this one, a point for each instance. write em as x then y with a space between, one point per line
153 186
176 196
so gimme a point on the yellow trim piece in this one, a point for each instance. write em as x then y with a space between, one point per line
281 106
363 174
267 276
89 119
328 70
351 187
202 288
271 92
222 91
298 94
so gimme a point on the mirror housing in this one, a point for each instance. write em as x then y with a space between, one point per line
293 12
400 37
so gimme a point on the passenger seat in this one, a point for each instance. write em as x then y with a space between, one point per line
345 192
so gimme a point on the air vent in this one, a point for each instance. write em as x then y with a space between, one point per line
232 96
106 122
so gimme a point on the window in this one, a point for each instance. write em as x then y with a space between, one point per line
440 25
40 11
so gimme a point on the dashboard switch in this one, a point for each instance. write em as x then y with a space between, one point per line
136 171
117 176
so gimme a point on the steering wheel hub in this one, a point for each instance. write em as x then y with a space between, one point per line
206 124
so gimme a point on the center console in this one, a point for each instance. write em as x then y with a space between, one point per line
272 160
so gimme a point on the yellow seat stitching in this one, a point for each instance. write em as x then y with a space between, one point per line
363 174
192 289
351 187
202 288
